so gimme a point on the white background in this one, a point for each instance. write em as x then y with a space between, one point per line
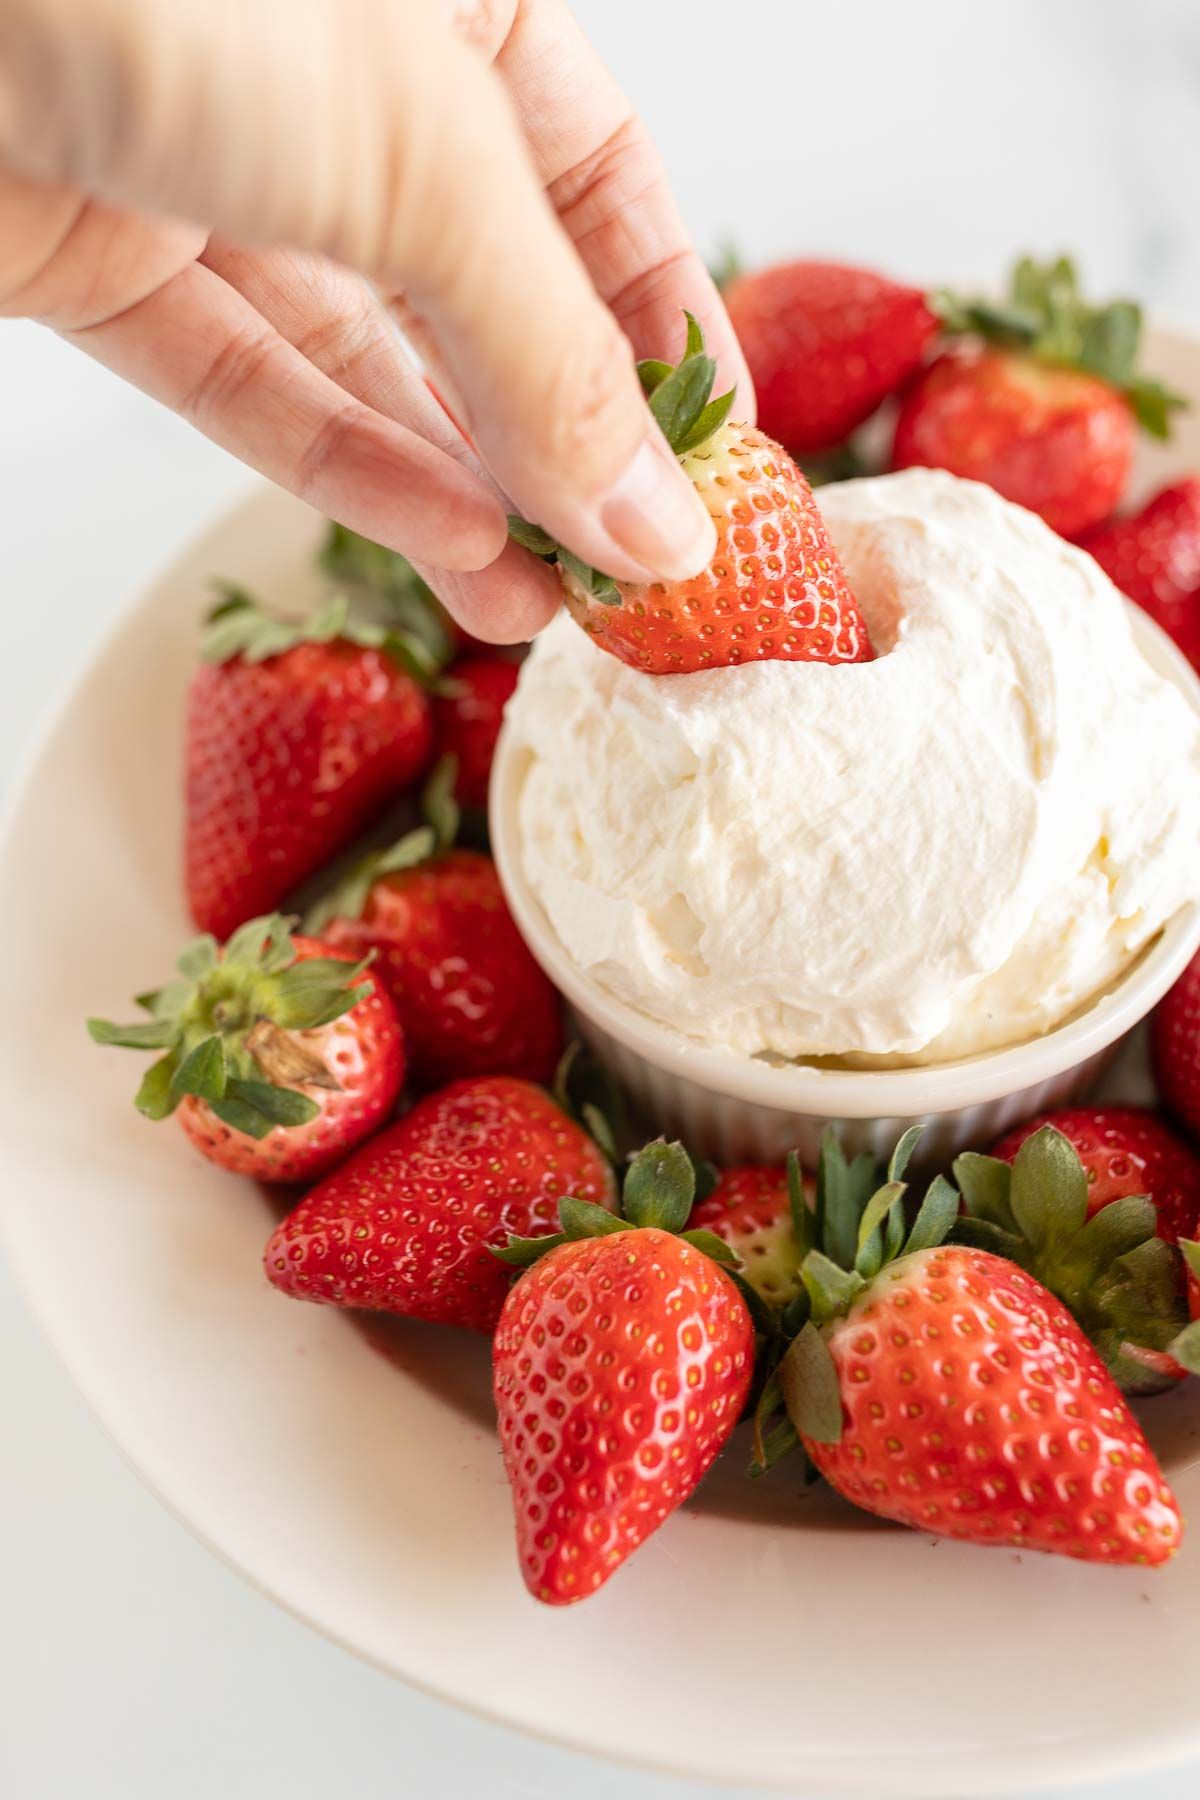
934 138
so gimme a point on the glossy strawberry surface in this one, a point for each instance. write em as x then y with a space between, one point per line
467 717
286 760
470 996
405 1225
825 344
620 1366
974 1407
1057 441
775 589
1154 558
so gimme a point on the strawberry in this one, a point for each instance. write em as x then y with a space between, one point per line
1127 1150
825 345
775 588
279 1054
1175 1057
620 1365
405 1226
470 996
750 1209
1046 414
297 736
1154 558
944 1387
468 710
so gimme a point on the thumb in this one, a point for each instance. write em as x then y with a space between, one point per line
371 133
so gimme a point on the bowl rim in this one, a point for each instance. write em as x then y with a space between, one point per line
853 1093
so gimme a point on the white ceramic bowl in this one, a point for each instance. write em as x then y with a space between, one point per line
730 1106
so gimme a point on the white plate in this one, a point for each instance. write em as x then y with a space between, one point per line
763 1636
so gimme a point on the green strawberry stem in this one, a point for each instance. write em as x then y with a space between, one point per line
226 1026
357 562
679 396
240 626
1047 316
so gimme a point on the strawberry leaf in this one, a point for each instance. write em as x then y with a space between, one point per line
281 1105
584 1219
1186 1348
660 1187
199 958
202 1071
713 1247
986 1183
147 1034
156 1097
902 1155
937 1213
804 1223
1048 1195
809 1383
316 992
520 1253
831 1289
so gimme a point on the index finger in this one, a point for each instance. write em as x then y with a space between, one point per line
607 182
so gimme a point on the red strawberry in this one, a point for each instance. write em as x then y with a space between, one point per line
620 1366
279 1054
1129 1150
1055 440
1047 417
1154 558
1126 1150
825 344
775 588
468 709
750 1210
944 1387
1175 1056
967 1402
297 737
470 996
405 1226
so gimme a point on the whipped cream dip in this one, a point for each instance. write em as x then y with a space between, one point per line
946 850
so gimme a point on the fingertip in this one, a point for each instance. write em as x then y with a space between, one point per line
508 602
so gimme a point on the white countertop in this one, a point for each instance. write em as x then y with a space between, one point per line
133 1665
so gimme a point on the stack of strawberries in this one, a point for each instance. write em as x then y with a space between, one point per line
957 1359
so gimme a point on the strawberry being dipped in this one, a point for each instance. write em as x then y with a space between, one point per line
942 1386
1154 557
408 1224
825 344
470 996
775 589
468 710
621 1362
298 735
1041 400
279 1054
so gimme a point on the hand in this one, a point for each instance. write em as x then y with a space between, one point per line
186 192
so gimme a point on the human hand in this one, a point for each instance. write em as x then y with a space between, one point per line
196 194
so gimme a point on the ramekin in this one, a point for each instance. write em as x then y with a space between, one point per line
733 1107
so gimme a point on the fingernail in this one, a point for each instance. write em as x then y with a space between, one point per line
656 516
